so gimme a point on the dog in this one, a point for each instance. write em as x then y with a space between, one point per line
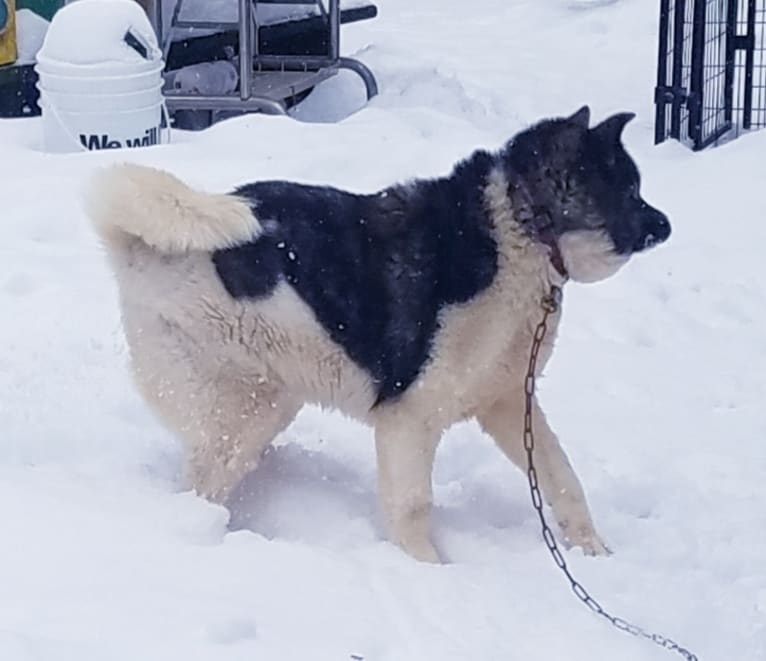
410 309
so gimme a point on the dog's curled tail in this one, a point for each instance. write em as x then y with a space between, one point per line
164 212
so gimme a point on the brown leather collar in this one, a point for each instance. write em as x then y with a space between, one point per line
545 234
548 238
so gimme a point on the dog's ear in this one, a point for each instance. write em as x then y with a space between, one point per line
581 117
610 130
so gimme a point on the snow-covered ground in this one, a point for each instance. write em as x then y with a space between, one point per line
657 391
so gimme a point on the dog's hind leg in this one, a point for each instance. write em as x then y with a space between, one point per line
231 438
560 485
226 420
405 451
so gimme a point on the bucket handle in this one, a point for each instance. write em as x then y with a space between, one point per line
137 42
54 111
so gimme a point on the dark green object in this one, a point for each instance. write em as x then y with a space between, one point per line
45 8
4 15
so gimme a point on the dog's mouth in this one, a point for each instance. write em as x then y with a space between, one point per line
654 229
640 233
651 240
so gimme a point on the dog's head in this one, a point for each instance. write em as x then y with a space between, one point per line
584 188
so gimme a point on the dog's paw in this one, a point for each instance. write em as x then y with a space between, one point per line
586 538
426 554
422 550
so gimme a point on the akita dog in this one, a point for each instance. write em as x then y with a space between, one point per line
409 309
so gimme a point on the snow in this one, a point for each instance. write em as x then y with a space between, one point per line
30 34
656 390
92 32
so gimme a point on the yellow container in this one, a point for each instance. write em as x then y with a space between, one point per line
8 36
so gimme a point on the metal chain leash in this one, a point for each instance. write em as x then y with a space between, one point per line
550 304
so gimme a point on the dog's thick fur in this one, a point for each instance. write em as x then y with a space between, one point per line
410 309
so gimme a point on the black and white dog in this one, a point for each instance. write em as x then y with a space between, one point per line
410 309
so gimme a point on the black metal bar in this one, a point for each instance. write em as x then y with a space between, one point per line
744 42
760 84
716 105
360 13
697 86
678 58
731 57
747 111
661 101
707 140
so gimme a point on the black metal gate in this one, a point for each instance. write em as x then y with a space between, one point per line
711 75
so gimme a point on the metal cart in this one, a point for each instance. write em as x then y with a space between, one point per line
266 81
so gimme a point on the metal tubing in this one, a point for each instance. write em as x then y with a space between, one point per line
294 62
334 29
154 12
168 42
195 102
245 48
361 69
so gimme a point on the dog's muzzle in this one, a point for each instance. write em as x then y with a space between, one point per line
654 228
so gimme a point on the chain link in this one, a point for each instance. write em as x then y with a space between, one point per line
550 304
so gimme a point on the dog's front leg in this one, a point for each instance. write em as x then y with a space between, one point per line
504 421
405 450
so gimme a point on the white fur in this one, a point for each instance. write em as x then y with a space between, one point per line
229 375
165 213
589 255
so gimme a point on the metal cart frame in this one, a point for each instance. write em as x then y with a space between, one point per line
265 81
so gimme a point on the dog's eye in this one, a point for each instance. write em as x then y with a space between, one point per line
632 192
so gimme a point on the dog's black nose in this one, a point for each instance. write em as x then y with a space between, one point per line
655 228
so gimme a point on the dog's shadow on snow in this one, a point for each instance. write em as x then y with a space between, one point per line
311 496
299 494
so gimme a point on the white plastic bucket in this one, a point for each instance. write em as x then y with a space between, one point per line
107 85
65 78
64 101
96 90
98 69
81 113
73 130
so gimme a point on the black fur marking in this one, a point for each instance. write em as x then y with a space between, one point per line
251 270
375 269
